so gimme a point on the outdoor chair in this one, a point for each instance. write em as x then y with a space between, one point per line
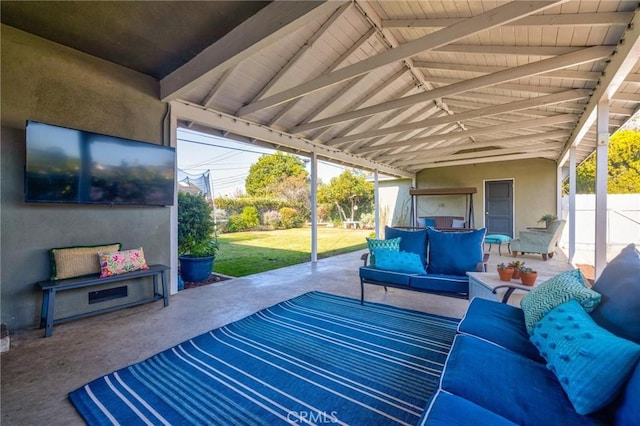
539 241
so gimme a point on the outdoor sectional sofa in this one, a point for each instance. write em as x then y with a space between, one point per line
426 260
568 357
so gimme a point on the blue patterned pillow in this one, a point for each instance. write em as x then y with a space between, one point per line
390 244
399 261
591 363
554 292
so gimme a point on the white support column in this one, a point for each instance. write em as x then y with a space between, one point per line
173 212
572 203
559 191
602 151
314 207
376 203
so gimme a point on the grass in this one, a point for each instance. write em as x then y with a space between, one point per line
246 253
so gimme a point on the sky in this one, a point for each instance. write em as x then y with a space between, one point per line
229 161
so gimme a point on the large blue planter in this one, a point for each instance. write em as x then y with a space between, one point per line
194 269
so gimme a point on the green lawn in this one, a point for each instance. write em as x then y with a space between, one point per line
246 253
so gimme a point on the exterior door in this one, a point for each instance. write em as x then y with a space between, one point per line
498 203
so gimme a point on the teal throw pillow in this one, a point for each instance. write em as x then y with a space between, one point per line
554 292
591 364
399 261
390 244
455 253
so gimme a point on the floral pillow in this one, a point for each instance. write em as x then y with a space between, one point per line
119 262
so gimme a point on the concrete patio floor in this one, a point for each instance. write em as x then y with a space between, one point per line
37 373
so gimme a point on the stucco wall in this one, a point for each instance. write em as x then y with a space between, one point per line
534 189
47 82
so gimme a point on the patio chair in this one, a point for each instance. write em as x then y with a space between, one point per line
542 241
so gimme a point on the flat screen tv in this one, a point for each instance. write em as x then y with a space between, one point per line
73 166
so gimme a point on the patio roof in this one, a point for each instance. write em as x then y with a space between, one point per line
393 86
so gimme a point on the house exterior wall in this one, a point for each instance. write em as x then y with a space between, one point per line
47 82
534 189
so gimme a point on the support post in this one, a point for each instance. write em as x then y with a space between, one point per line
376 203
602 154
173 212
314 207
572 203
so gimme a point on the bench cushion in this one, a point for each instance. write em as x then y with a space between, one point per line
501 324
510 385
375 274
445 283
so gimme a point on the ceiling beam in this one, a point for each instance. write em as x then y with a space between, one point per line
516 125
218 120
486 69
272 23
541 101
622 63
512 157
487 20
565 19
589 54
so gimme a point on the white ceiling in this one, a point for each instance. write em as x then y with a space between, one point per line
407 85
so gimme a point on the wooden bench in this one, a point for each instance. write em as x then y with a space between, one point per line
50 288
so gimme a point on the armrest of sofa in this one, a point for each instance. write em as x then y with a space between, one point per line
365 258
510 289
482 266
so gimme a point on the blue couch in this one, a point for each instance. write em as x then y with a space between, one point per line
578 364
444 258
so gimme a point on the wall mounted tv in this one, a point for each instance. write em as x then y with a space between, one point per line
73 166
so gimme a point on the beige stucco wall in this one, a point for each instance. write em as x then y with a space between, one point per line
47 82
534 189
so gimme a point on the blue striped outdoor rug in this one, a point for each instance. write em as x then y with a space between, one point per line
314 359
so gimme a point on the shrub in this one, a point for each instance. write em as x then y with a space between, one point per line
272 219
195 226
367 220
235 223
250 217
290 218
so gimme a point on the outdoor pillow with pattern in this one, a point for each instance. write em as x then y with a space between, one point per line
390 244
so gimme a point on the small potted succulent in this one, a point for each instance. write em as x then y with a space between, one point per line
516 265
505 272
547 219
528 276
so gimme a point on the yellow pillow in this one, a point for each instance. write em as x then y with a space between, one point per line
70 262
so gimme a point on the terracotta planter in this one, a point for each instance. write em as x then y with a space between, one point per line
505 274
528 278
516 274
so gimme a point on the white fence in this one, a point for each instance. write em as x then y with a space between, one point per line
623 224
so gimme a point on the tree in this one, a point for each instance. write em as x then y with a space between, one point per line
623 166
348 193
269 170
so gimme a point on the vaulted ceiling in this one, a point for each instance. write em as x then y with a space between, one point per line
397 86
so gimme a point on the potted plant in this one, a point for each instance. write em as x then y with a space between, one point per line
528 276
516 265
547 219
505 272
197 244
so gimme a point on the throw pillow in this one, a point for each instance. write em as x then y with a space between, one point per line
399 261
455 253
590 363
457 223
70 262
412 241
554 292
120 262
392 244
619 310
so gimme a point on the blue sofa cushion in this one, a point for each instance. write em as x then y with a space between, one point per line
411 241
620 289
510 385
444 283
373 244
398 261
446 409
554 292
374 274
454 253
591 363
625 410
501 324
